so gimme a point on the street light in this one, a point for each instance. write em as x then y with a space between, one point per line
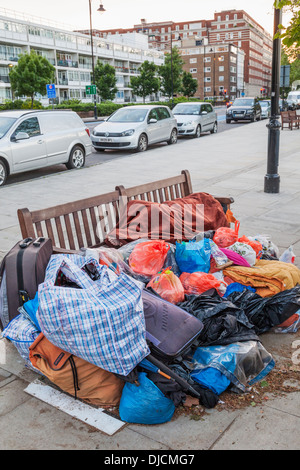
101 9
272 178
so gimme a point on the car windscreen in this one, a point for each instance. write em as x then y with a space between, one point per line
190 109
5 125
264 104
243 102
128 115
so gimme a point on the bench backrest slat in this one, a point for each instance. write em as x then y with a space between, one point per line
86 222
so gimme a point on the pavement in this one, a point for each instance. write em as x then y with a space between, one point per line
232 163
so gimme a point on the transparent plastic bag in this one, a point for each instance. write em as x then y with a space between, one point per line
288 256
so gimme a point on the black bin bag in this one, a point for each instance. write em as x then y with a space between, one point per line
266 312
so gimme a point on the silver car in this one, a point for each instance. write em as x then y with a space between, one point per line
193 118
265 109
35 139
135 127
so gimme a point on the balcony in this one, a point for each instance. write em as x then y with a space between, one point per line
63 81
67 63
4 79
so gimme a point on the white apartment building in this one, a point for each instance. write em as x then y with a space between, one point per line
70 53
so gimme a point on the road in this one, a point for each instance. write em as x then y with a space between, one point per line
98 158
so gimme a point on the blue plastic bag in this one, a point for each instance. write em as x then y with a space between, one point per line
193 256
212 379
145 404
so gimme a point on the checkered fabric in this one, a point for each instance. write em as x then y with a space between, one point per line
22 333
102 321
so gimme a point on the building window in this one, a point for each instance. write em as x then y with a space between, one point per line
227 17
207 69
207 89
193 70
221 78
221 68
207 79
193 60
207 59
218 37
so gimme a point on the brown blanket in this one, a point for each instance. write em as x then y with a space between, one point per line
180 219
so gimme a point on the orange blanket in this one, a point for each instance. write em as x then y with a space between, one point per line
267 277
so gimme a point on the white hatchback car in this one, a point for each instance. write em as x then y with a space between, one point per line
35 139
135 127
193 118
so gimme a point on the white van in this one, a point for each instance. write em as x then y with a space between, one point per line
294 96
35 139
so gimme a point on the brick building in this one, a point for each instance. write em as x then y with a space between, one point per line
232 27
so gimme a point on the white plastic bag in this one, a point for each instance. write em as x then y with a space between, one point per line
244 250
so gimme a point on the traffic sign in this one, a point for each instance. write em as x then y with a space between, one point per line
285 76
91 90
51 92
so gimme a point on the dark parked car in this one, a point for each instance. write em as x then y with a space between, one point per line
244 109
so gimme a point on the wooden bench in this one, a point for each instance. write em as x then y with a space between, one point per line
290 119
86 222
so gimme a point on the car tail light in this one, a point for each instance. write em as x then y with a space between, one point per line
88 131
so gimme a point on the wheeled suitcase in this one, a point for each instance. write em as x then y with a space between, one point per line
170 330
21 271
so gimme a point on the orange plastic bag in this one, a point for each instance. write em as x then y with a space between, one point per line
197 283
147 258
225 236
168 286
257 247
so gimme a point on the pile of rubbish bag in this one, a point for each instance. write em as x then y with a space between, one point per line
142 326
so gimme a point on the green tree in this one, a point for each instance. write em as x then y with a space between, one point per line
171 73
31 75
146 82
105 80
291 35
189 84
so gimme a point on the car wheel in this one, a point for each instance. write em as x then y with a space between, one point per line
142 143
258 118
77 158
252 119
3 173
214 129
198 132
228 121
173 137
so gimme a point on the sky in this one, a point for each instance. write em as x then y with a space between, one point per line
126 13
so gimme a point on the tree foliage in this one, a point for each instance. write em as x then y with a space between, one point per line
105 80
147 82
31 75
171 73
189 84
291 34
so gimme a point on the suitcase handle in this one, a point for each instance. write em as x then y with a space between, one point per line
38 241
25 242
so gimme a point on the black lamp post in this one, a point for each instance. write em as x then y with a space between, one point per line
101 9
272 178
